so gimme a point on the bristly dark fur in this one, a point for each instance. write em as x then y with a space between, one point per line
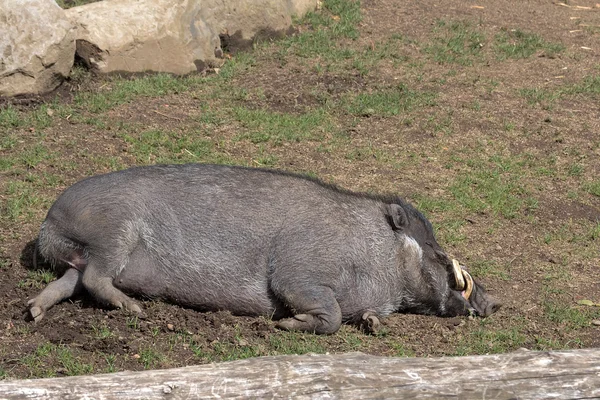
385 198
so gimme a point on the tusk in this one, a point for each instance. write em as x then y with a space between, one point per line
458 275
469 285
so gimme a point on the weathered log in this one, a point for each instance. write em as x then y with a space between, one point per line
523 374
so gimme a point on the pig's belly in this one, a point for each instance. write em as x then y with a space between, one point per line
203 289
244 298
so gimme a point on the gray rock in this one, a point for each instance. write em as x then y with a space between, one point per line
174 36
37 46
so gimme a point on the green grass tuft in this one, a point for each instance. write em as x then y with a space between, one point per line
388 102
10 118
164 147
119 90
593 188
484 340
37 279
72 365
590 86
456 43
339 20
263 126
23 201
570 317
489 191
489 268
517 44
295 343
543 97
150 358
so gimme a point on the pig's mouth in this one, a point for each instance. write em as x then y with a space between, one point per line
463 279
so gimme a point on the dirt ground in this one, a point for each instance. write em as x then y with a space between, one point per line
480 104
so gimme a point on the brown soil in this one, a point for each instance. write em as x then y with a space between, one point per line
171 336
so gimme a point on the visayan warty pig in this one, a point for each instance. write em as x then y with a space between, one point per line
252 241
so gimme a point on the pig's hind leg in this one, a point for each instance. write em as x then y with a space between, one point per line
68 285
315 309
102 287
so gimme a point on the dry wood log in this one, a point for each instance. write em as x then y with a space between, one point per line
523 374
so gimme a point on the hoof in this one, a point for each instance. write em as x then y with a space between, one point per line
36 314
370 323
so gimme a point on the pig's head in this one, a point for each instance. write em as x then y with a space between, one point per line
444 288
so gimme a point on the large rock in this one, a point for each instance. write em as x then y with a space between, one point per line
177 36
37 46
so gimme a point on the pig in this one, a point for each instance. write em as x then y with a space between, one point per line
252 241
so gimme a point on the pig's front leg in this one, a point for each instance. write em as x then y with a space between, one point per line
68 285
369 322
315 310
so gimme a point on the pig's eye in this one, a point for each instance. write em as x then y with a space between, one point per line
443 258
429 244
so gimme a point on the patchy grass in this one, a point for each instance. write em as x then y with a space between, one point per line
570 317
388 102
42 360
492 185
24 202
489 268
518 44
10 118
37 279
593 188
118 91
487 341
160 147
263 125
546 98
338 22
456 42
543 97
102 331
296 343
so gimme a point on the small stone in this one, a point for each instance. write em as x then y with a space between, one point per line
170 327
136 356
596 322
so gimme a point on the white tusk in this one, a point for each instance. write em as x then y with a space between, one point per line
458 275
469 286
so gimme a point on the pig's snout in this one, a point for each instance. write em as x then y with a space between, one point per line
491 307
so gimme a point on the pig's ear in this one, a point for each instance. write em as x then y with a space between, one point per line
396 216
